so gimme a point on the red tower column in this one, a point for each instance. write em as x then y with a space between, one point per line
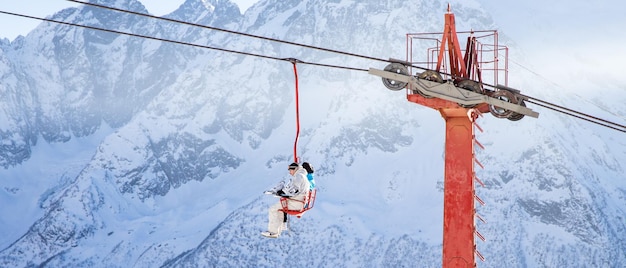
458 214
458 184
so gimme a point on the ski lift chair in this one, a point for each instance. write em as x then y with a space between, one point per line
308 203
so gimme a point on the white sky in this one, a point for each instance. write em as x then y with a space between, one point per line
566 39
13 26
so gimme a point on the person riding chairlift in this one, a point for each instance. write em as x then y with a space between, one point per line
309 175
296 190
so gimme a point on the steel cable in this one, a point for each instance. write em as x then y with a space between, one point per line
533 100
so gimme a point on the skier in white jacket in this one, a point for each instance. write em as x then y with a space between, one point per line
297 189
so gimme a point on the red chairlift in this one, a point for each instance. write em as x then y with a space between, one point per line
307 204
309 200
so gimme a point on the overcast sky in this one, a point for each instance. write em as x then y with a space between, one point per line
567 39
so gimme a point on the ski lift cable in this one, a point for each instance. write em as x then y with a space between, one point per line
577 114
562 109
179 42
579 117
548 106
227 31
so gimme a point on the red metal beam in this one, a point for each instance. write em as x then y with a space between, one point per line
458 208
457 64
458 215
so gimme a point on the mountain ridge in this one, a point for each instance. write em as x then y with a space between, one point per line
178 180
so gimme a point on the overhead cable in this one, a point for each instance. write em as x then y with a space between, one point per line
179 42
578 115
567 111
536 101
228 31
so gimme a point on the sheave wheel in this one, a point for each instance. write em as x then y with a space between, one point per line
393 84
470 85
429 75
503 95
515 116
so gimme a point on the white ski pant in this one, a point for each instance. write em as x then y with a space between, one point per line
276 216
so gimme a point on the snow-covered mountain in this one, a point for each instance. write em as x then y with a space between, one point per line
119 151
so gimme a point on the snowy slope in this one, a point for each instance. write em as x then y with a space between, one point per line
197 135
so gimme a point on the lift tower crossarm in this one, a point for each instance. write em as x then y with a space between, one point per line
448 91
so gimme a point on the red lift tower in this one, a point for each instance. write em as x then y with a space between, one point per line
456 89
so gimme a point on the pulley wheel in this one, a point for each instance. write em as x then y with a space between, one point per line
503 95
515 116
429 75
393 84
471 86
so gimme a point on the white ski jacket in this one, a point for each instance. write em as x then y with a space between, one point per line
298 187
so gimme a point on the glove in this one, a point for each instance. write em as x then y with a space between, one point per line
281 193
